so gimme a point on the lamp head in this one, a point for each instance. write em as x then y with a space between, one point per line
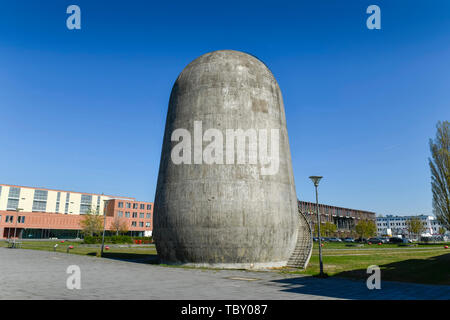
315 180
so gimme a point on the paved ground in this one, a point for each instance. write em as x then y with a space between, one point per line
30 274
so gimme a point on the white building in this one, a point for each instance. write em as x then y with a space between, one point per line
397 225
31 199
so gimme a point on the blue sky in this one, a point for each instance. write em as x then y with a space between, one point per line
85 109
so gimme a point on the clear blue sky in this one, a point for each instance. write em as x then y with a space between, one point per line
85 110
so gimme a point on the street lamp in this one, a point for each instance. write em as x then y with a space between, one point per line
15 226
315 180
104 227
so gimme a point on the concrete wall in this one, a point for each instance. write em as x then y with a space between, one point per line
225 215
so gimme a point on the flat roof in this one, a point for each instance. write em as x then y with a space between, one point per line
328 205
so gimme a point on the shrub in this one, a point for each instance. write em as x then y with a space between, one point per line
108 239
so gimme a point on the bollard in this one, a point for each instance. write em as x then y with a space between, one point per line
54 247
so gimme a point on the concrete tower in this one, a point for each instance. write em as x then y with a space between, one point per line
231 211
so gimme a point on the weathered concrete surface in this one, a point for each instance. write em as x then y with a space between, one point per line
225 215
31 274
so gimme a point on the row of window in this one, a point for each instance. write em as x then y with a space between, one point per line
141 224
40 202
10 219
21 219
135 205
135 215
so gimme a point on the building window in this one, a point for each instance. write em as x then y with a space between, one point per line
134 214
86 203
149 207
58 199
135 205
127 214
66 209
12 204
142 207
120 205
133 223
141 215
39 206
40 200
148 215
120 214
128 205
141 224
14 193
13 199
9 219
21 219
147 224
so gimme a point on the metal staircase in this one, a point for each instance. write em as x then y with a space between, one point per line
303 249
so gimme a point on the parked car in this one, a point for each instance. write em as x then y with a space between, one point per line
395 240
376 240
349 240
334 240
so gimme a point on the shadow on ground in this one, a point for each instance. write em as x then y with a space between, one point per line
130 257
434 270
425 272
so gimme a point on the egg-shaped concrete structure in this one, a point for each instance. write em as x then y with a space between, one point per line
225 213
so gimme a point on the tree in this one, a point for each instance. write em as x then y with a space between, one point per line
440 173
92 223
120 225
366 229
442 230
330 228
326 229
415 226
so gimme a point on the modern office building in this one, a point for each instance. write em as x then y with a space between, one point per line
31 212
345 219
391 225
138 215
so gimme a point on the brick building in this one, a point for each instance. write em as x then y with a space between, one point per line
40 213
345 219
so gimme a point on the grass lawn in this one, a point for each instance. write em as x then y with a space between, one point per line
428 264
144 252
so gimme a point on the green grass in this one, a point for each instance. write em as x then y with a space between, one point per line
141 253
428 264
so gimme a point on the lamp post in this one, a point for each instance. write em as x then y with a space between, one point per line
315 180
104 227
15 226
